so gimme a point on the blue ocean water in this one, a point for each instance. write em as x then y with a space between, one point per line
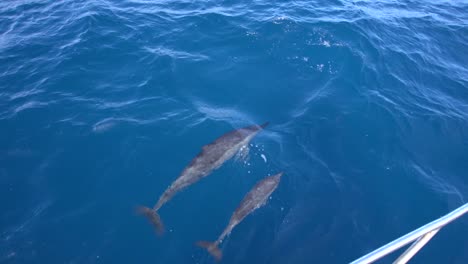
103 103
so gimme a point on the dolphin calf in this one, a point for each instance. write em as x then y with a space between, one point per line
210 158
254 199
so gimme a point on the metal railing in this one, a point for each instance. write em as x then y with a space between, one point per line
421 236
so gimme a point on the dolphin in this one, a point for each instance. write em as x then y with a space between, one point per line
254 199
210 158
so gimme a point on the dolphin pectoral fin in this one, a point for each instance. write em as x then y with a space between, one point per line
212 248
153 217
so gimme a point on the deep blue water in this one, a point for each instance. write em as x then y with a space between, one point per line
103 103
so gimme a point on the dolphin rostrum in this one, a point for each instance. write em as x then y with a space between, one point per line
256 198
210 158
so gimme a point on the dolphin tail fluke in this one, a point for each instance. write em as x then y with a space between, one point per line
212 248
264 124
153 217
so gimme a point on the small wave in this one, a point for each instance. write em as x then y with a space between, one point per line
111 122
175 54
71 43
105 105
437 184
25 93
227 114
29 105
23 107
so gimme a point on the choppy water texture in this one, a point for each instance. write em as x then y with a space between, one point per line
102 104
